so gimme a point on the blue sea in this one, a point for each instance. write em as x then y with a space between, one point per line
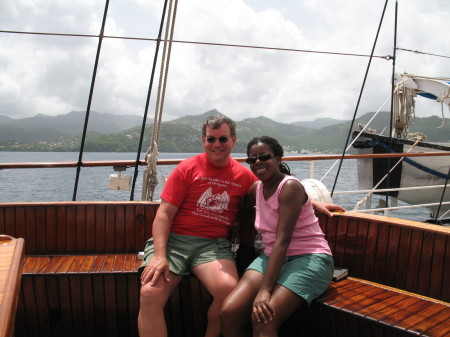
57 184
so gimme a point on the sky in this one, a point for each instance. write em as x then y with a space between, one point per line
52 75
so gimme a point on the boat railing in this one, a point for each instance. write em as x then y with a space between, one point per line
308 158
132 163
393 208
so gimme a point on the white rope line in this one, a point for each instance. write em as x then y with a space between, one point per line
150 174
363 200
445 94
413 188
442 216
356 138
402 207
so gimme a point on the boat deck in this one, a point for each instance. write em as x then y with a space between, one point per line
80 277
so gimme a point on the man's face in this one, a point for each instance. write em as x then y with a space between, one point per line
218 144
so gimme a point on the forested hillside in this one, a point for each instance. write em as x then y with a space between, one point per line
183 135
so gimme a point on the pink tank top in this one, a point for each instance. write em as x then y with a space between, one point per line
307 237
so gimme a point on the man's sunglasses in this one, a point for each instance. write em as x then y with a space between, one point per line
262 157
212 140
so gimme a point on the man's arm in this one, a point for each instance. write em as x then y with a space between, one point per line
158 265
326 208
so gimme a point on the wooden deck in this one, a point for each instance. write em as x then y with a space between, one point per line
80 276
11 260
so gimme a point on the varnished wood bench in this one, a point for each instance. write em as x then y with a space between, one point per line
355 307
400 280
11 259
80 275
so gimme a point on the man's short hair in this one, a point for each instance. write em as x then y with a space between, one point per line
216 121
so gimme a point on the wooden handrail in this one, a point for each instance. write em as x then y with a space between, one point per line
131 163
11 258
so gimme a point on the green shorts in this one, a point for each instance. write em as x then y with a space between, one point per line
185 252
306 275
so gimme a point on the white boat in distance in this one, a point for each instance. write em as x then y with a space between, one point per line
414 180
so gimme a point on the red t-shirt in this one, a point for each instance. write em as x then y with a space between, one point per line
208 196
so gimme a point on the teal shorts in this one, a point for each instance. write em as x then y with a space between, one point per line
185 252
306 275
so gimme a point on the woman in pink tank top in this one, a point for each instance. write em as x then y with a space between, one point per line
295 266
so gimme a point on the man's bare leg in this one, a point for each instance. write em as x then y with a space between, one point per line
219 277
151 321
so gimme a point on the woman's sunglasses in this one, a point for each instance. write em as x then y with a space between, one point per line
262 157
222 139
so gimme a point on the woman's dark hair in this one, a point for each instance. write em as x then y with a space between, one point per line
275 147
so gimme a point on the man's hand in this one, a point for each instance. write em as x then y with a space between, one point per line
156 267
326 208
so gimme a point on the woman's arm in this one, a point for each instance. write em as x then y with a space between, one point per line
326 208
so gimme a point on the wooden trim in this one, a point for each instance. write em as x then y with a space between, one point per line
397 222
400 291
11 262
131 163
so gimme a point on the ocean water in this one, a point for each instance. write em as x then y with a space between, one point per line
57 184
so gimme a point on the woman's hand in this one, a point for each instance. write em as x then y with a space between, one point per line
326 208
262 309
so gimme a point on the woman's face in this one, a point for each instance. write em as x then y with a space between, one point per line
265 167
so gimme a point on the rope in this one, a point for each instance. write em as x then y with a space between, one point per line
363 200
88 108
385 57
404 108
445 94
360 95
419 137
421 52
362 129
150 174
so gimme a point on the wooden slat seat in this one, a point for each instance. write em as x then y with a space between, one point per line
354 307
82 264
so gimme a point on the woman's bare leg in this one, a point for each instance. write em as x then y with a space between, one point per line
285 302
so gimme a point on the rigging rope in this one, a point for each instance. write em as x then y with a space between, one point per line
88 108
444 95
147 101
421 52
364 199
362 129
150 174
404 108
360 95
385 57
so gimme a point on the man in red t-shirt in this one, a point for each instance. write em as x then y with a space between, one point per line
198 206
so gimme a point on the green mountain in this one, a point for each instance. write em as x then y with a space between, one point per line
183 135
319 123
42 127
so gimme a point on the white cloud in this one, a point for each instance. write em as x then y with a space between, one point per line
52 75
